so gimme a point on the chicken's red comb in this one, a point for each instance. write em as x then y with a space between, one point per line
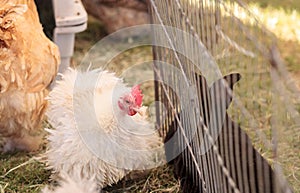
137 94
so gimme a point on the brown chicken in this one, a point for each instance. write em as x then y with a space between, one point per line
28 64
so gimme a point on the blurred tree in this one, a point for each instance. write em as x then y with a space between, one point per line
117 14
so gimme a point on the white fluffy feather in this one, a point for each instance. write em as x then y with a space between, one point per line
68 185
92 135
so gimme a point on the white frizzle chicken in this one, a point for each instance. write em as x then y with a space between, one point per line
99 128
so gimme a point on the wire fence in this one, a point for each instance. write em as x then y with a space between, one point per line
226 97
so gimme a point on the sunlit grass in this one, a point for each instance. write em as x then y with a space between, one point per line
284 24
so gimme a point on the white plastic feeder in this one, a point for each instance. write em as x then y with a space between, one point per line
70 18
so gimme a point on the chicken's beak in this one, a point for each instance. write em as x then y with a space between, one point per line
139 111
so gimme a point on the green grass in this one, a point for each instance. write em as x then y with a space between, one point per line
282 19
19 172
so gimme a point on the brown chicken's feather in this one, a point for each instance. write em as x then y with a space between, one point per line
28 64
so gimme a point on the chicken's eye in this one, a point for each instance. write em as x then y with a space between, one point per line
127 101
